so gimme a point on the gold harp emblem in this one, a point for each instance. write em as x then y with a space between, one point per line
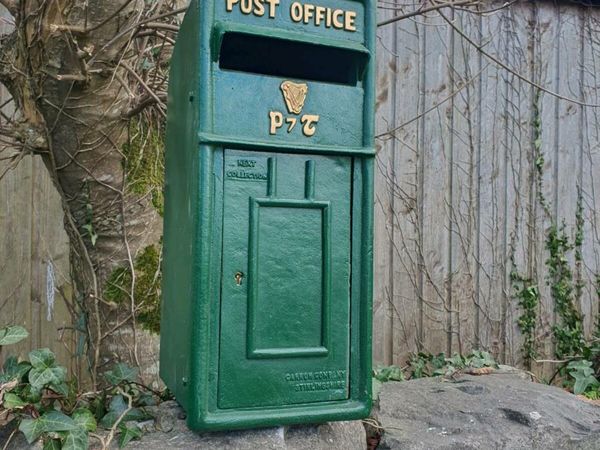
294 95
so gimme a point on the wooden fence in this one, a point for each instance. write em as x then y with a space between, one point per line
469 149
34 254
457 201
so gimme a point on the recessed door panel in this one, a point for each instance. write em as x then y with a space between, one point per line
285 279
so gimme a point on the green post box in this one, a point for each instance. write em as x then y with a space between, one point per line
267 290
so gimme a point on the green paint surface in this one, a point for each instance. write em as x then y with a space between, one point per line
278 343
267 269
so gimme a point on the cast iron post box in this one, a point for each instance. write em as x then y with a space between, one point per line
267 289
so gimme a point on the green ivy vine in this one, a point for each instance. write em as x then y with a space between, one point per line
527 293
568 329
45 405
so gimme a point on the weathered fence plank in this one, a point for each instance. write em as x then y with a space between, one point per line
590 162
383 280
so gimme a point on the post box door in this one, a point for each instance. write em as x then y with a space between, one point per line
285 298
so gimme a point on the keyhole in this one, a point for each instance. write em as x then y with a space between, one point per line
239 276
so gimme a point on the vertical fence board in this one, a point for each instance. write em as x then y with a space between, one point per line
491 193
590 163
383 339
518 165
547 62
435 152
465 87
51 287
407 297
15 250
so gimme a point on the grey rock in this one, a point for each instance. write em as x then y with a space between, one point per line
496 411
509 370
171 432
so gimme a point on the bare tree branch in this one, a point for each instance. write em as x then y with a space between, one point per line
503 65
421 11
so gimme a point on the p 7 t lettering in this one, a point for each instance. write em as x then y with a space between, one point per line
308 121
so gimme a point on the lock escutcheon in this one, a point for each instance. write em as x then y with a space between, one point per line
239 277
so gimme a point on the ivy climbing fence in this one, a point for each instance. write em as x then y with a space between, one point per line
488 182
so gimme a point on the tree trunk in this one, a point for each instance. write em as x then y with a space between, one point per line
70 68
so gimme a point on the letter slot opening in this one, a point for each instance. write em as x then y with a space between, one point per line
291 59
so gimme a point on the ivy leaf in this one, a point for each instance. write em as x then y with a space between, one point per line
12 335
30 395
439 361
120 373
84 418
146 399
52 444
582 384
456 361
76 440
128 433
93 235
54 421
13 401
44 371
31 429
583 373
117 407
60 388
50 422
14 370
10 364
481 359
42 358
389 373
111 417
41 377
117 404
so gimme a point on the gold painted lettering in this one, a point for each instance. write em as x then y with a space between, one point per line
246 6
308 12
230 4
349 24
291 121
310 124
272 7
276 121
319 14
296 12
336 21
259 8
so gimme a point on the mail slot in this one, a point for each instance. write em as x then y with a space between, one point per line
267 268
